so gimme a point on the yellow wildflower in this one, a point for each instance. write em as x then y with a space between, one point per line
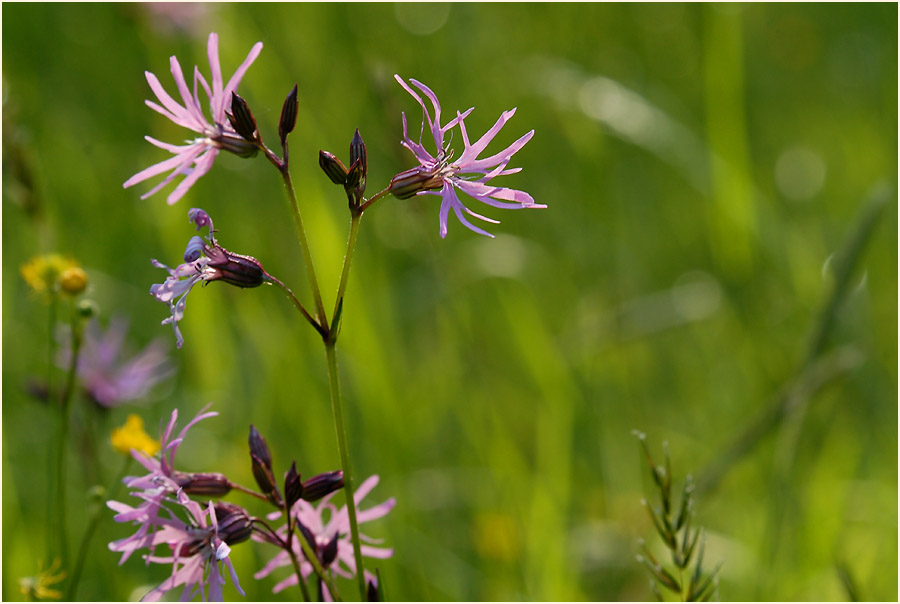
38 588
132 436
45 273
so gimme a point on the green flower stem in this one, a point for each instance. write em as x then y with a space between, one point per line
304 246
331 356
345 271
65 403
92 527
299 573
300 307
51 349
317 567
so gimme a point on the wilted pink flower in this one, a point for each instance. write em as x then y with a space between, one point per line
161 482
194 159
103 370
439 175
323 531
204 261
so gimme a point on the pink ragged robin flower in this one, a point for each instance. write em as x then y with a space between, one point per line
440 174
195 159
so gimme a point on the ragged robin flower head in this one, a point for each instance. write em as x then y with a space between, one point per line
195 159
441 174
204 261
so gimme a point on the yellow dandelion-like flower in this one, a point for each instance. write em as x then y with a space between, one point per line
132 436
50 273
38 588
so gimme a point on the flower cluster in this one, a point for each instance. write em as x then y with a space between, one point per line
327 527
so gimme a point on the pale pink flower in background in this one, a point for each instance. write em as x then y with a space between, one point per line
103 370
440 174
324 521
195 158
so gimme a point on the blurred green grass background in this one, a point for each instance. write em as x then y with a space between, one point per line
701 165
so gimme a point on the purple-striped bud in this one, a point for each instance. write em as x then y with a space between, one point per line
319 486
261 465
293 487
242 119
288 115
235 524
328 552
207 484
236 269
415 180
332 167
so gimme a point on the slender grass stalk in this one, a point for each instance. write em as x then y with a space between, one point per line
51 348
817 368
72 588
65 403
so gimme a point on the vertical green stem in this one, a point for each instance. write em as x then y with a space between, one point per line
72 589
299 573
51 349
345 271
331 356
304 247
63 436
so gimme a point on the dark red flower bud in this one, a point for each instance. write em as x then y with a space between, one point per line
235 524
288 115
236 269
328 553
242 119
319 486
332 167
293 487
207 484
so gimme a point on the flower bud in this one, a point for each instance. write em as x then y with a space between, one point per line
288 115
355 176
235 525
87 309
415 180
328 553
319 486
207 484
242 119
372 591
293 487
332 167
235 269
358 154
73 280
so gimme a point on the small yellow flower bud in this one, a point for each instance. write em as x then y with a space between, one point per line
132 436
73 280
